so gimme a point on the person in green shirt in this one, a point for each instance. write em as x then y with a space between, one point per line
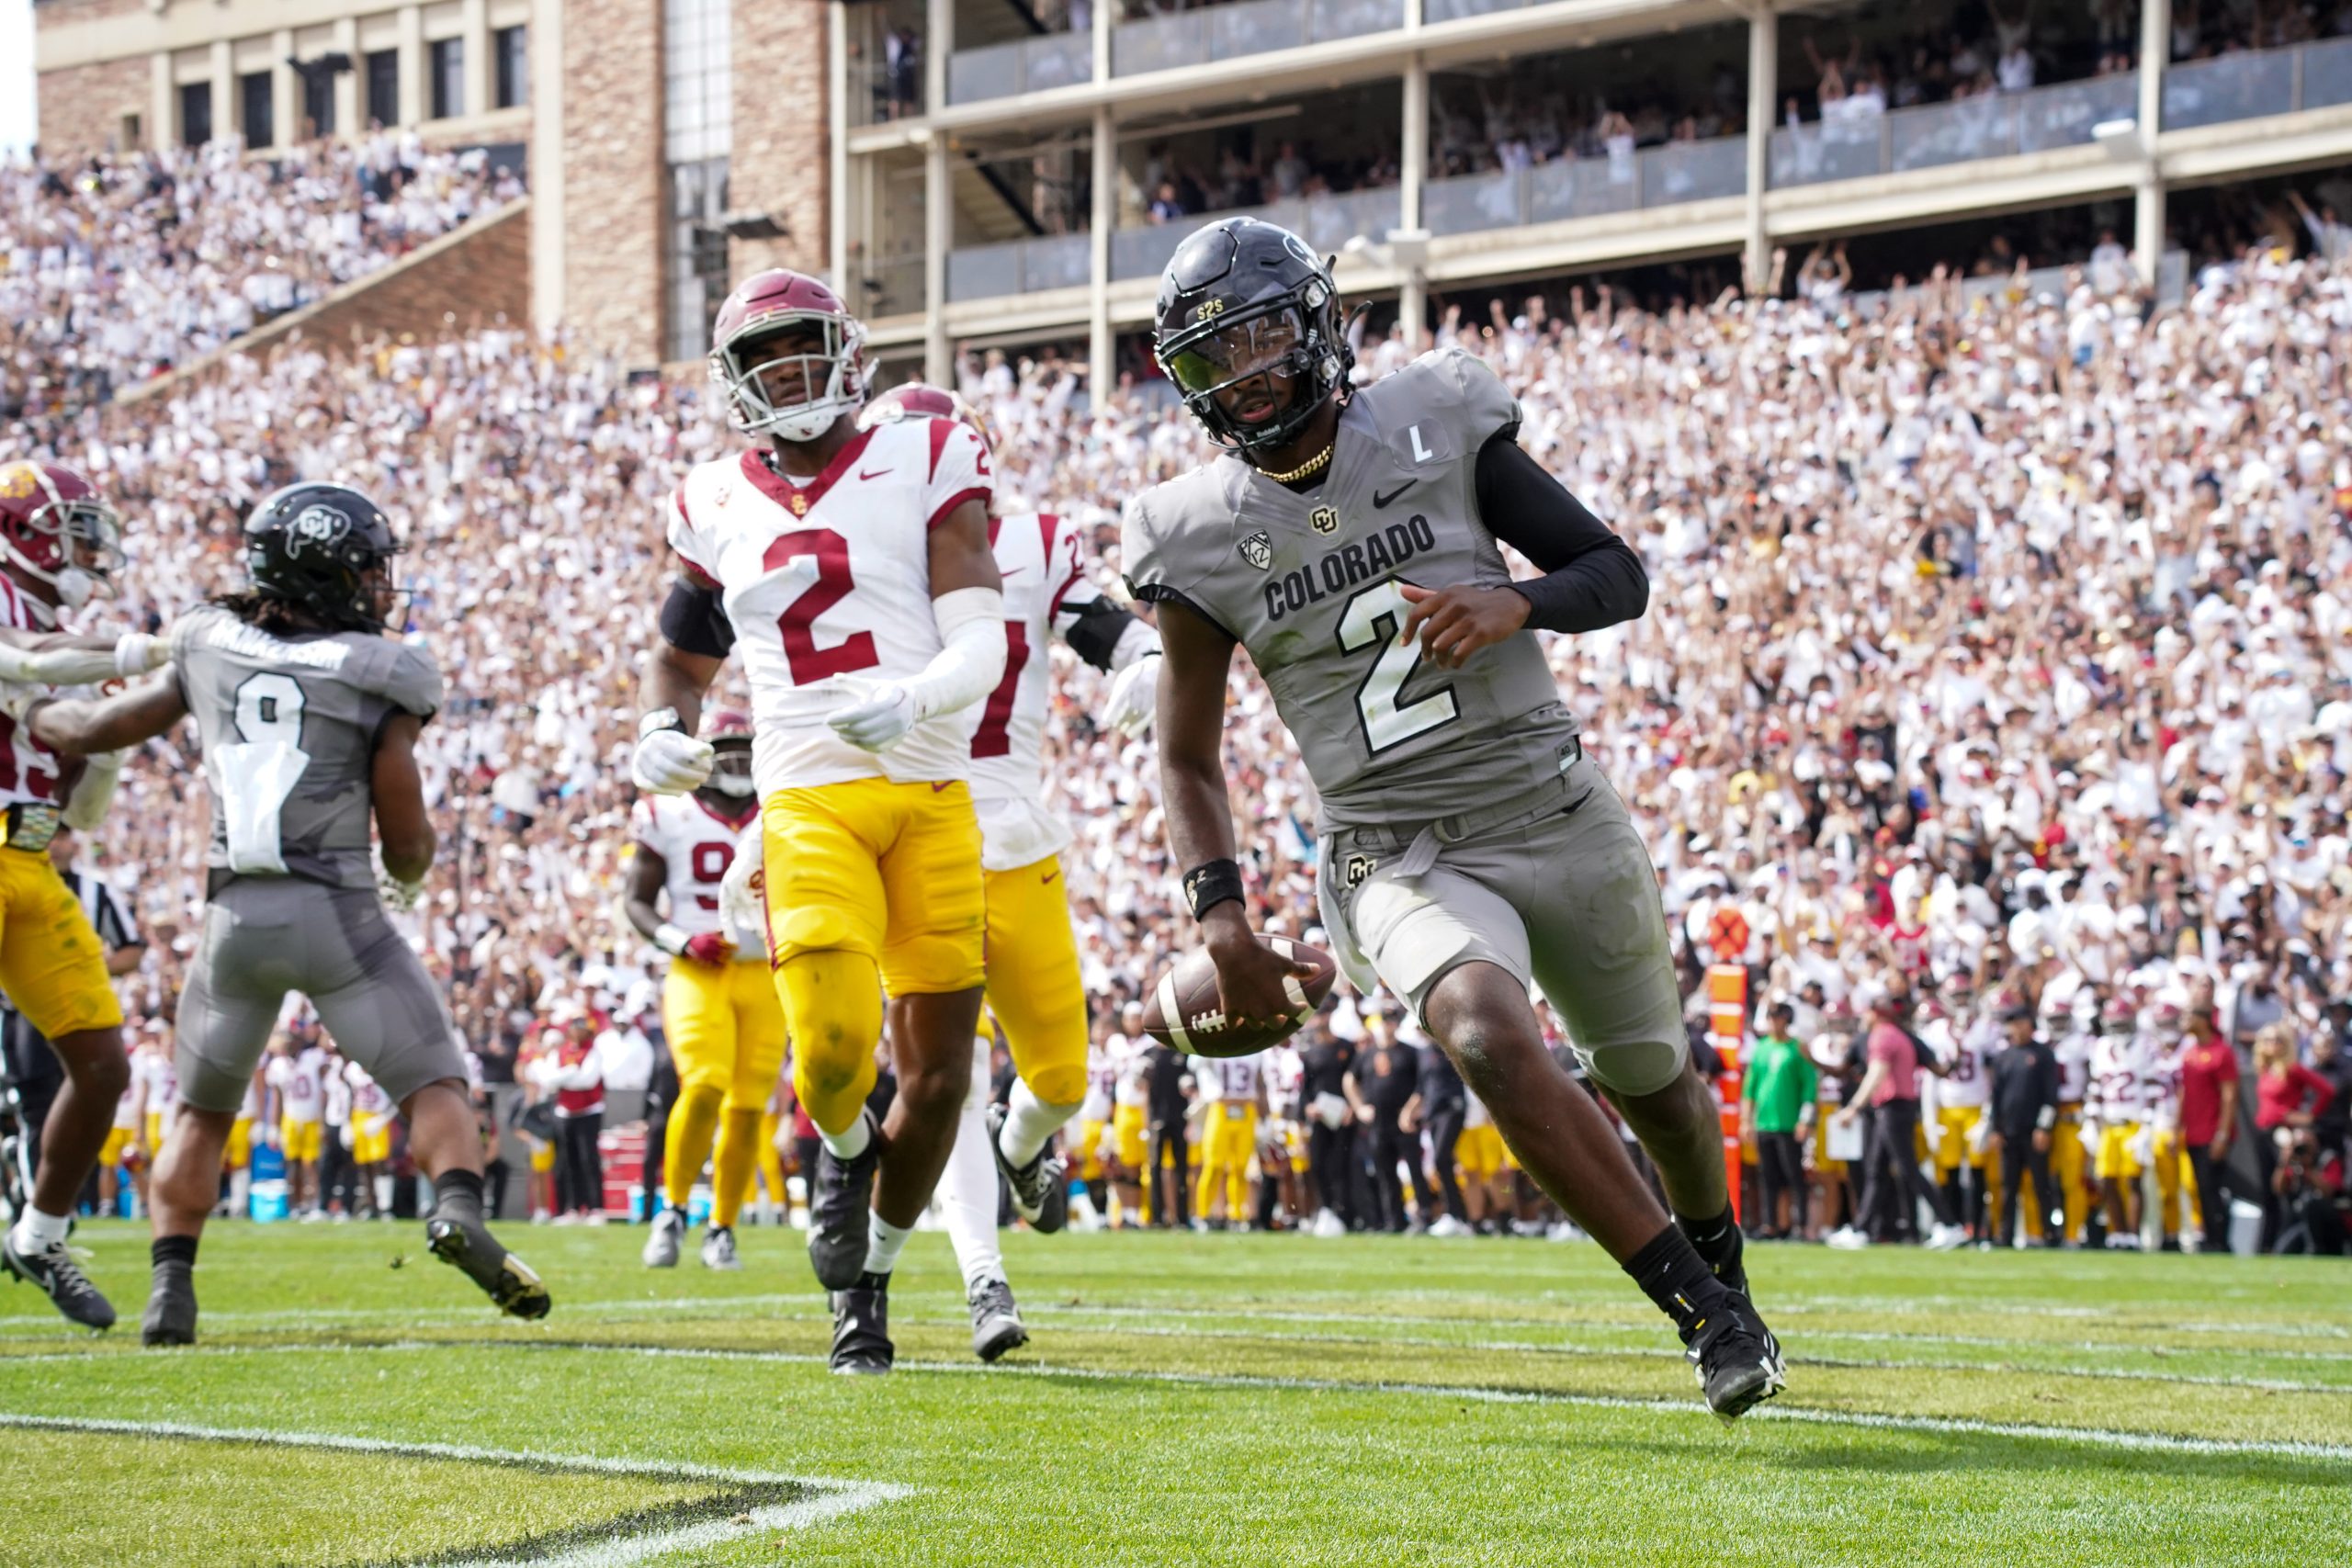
1776 1109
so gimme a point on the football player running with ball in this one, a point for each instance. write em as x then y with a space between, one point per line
855 567
1034 988
309 718
1348 540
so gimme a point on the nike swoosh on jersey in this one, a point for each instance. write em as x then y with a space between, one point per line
1379 501
1046 880
875 474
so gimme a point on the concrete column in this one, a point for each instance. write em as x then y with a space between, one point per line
474 16
2148 196
414 103
1763 96
1101 222
285 90
1102 21
1412 166
937 232
162 101
350 113
224 88
546 165
837 151
938 43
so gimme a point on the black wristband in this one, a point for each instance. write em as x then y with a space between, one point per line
1212 883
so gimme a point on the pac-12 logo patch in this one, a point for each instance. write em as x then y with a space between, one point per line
1325 519
1258 550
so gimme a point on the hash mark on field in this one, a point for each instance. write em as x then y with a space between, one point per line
768 1501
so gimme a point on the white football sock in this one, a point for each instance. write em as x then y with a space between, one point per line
383 1195
1030 1121
37 1232
885 1241
967 1196
850 1140
240 1191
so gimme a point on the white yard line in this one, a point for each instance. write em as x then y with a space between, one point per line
829 1498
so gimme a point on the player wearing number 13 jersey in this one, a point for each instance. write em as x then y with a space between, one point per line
308 717
1350 540
852 568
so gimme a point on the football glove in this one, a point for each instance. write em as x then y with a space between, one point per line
139 653
742 893
1135 696
399 898
878 719
671 762
707 947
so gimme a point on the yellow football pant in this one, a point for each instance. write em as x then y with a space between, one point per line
1032 983
51 966
1227 1144
726 1031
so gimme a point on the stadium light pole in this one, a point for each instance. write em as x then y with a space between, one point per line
2148 194
1763 87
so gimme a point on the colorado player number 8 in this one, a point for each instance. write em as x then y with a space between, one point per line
255 775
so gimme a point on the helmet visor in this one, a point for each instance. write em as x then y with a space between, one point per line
1251 346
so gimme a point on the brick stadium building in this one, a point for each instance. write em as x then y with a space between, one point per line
668 143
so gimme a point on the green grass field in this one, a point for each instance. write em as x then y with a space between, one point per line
1187 1400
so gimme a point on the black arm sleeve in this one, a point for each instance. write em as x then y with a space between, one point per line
1591 578
692 619
1095 628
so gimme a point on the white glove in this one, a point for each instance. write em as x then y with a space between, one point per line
139 653
671 762
1135 696
878 719
399 896
743 894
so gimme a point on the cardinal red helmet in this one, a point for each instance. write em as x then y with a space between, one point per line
55 525
729 730
767 305
920 399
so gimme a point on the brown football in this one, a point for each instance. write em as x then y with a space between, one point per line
1182 1010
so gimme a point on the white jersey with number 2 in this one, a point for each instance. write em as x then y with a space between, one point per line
829 579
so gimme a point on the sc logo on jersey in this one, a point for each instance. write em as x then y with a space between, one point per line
1325 519
1358 868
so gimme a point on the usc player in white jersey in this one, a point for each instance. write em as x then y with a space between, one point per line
718 1003
1034 988
1233 1089
853 567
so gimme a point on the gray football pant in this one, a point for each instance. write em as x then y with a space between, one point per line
266 936
1561 894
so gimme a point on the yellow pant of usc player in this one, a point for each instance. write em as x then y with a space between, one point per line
726 1030
371 1138
298 1140
2117 1162
239 1151
1479 1152
51 966
872 885
1226 1143
2069 1164
1033 983
1955 1126
2177 1208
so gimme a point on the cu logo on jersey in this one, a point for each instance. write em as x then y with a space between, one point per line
319 527
1258 550
1360 867
1325 519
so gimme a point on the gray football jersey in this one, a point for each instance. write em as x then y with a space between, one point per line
1307 583
288 727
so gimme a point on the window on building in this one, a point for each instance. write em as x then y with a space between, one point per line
698 81
384 86
318 102
196 113
508 49
255 105
132 138
448 60
697 259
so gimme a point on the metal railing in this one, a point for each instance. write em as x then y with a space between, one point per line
1019 266
1585 187
1025 65
2258 83
1326 222
1252 26
888 286
1995 124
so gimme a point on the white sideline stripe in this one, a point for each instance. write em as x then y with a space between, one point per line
834 1498
2089 1437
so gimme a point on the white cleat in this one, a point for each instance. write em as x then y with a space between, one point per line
1944 1238
669 1236
1846 1238
718 1249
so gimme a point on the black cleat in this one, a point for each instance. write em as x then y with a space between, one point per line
995 1320
171 1308
468 1246
839 1226
61 1278
1736 1357
1039 1194
862 1326
1732 1267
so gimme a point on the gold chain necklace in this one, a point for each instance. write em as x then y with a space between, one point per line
1310 467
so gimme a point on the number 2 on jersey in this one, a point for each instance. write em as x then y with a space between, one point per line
254 776
809 662
1372 619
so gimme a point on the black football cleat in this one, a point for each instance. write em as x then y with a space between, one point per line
60 1277
995 1320
839 1223
1736 1357
1732 1267
467 1245
1039 1194
171 1308
862 1327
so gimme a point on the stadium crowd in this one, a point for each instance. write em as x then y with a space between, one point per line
1995 663
113 270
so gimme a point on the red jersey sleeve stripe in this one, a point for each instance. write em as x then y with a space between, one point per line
941 429
1048 525
976 493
